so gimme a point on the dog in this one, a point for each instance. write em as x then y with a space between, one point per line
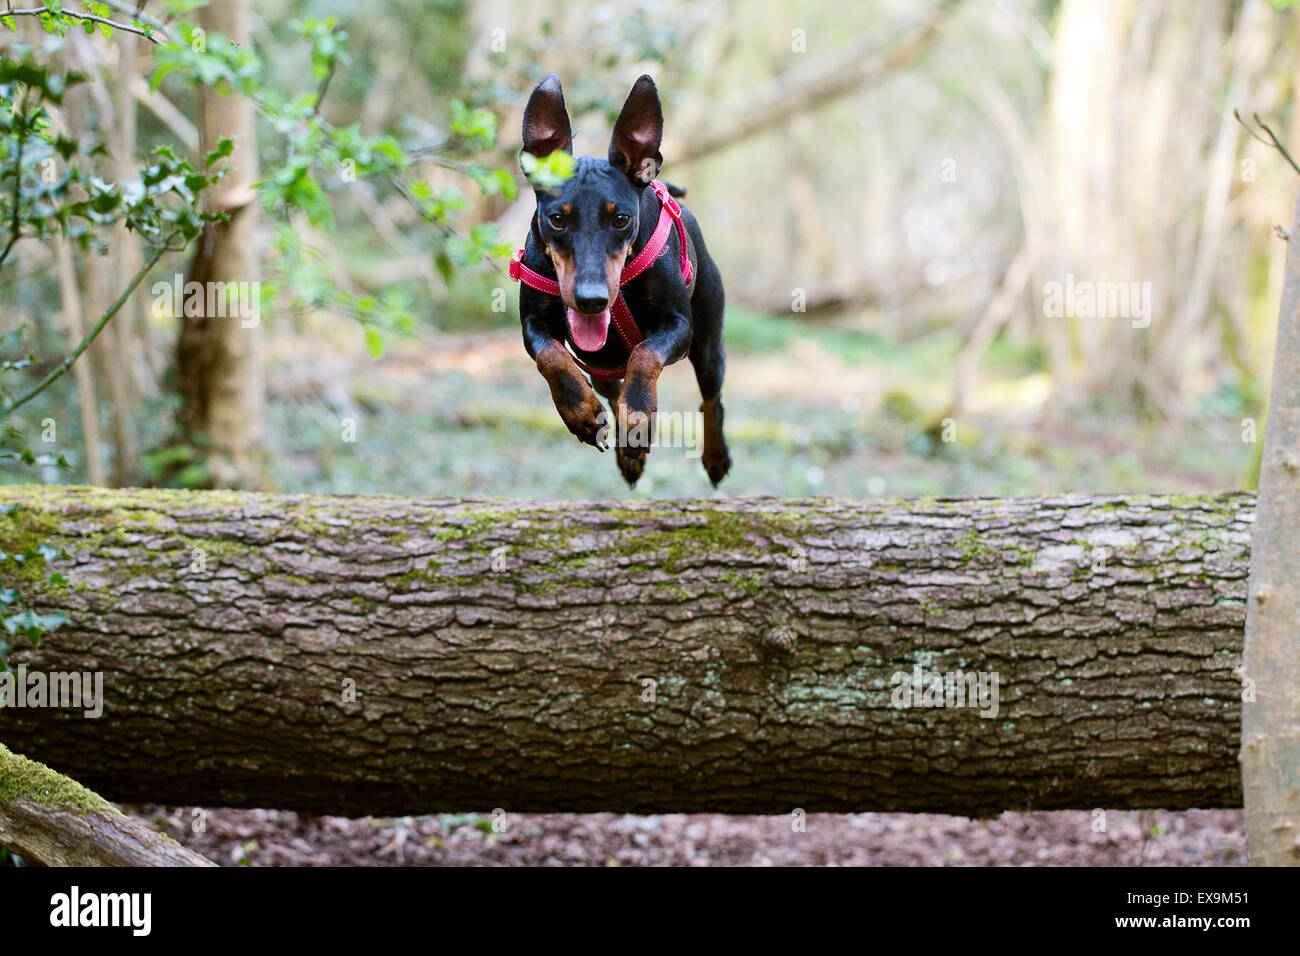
616 283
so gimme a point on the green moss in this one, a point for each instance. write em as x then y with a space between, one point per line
480 524
715 532
432 575
542 587
25 528
291 578
971 547
21 532
750 583
21 777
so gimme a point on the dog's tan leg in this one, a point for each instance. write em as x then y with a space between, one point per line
574 400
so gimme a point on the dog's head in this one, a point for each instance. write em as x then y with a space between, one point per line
588 223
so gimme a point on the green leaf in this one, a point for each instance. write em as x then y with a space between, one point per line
445 266
550 172
225 147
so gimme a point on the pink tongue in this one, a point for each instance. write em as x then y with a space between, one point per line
588 331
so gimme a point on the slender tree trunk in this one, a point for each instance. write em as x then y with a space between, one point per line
101 278
132 326
218 358
92 108
87 402
1270 746
380 655
123 339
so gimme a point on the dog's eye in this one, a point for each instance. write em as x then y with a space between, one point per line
621 220
557 219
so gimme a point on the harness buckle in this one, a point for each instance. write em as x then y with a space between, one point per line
513 268
669 203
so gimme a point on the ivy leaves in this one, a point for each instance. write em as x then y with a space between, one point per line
18 618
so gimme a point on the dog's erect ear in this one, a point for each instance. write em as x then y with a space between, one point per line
634 147
546 121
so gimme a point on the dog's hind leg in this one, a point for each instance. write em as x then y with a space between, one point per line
609 391
709 360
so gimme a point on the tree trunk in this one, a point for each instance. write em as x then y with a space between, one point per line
1270 745
55 821
87 402
380 655
92 108
219 369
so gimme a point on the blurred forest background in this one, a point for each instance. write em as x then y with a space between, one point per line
888 187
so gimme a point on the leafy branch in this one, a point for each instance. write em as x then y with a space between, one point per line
318 157
56 19
58 370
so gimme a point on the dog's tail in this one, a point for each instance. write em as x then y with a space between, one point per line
677 192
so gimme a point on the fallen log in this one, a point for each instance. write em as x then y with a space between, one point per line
49 819
379 655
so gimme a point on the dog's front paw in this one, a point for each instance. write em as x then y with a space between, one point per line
634 436
586 419
577 404
638 401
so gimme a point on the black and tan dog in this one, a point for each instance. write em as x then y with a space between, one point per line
617 283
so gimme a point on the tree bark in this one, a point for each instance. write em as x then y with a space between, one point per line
1270 745
55 821
380 655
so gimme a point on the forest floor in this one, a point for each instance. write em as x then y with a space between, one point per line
1065 838
812 410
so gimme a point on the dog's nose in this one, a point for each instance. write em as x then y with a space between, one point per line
591 298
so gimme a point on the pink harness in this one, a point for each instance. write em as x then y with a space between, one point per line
670 215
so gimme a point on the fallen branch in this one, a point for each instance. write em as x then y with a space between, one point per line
47 818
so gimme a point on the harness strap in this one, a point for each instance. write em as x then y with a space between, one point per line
670 216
